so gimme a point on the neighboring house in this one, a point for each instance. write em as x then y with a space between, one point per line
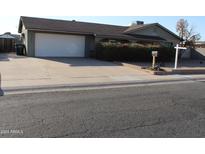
8 41
200 44
197 52
60 38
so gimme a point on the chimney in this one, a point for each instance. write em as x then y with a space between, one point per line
140 22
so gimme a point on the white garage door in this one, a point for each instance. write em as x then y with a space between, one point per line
57 45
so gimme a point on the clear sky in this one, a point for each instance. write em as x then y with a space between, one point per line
10 23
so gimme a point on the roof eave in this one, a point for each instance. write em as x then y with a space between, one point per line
61 32
129 39
20 25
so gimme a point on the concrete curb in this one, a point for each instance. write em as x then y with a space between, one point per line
93 85
189 71
1 91
183 71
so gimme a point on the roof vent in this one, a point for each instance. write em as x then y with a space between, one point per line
140 22
8 33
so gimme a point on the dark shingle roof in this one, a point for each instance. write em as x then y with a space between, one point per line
75 27
135 27
71 26
6 36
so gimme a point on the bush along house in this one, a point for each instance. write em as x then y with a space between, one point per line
60 38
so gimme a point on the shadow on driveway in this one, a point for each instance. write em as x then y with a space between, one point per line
12 55
4 57
75 62
79 62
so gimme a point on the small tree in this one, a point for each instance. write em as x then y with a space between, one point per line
187 33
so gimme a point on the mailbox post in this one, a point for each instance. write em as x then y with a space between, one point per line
154 55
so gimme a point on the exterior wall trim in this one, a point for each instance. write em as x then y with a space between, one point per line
31 44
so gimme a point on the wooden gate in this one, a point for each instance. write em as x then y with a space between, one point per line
7 45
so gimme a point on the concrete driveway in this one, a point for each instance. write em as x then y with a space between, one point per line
18 71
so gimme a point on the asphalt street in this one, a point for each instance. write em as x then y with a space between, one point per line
165 110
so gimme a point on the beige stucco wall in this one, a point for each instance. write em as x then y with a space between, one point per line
29 41
25 38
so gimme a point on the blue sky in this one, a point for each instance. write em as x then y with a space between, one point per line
10 23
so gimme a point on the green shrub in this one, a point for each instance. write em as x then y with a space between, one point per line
130 52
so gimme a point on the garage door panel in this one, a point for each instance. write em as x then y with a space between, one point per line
57 45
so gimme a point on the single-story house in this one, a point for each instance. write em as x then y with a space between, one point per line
8 41
198 52
200 44
60 38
